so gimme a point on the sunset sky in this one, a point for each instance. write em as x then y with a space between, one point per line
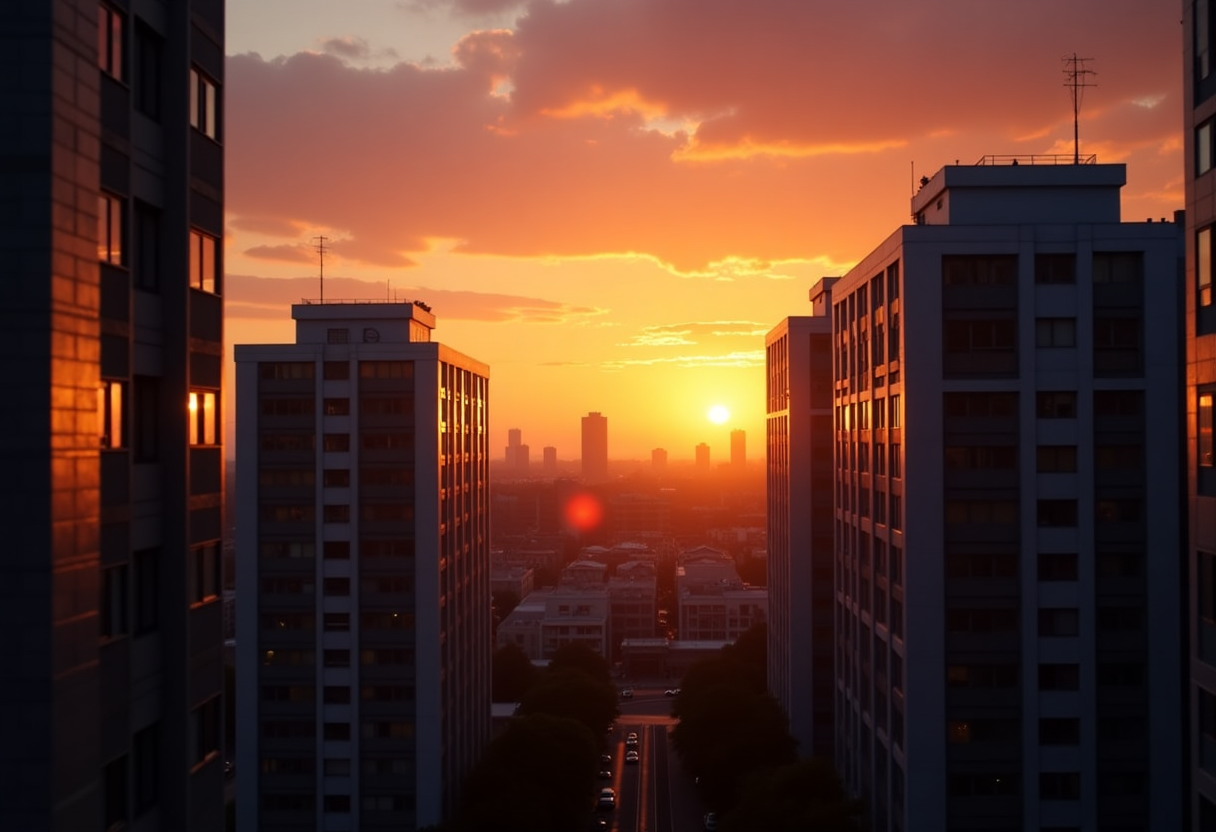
611 201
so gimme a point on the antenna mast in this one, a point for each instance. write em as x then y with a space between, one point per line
1076 78
320 247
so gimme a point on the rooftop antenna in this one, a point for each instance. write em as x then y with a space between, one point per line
1076 78
320 247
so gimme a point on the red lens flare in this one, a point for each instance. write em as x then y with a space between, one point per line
584 512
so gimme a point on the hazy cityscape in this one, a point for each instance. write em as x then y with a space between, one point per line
455 415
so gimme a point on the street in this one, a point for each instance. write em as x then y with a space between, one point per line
654 794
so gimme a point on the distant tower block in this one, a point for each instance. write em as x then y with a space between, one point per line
550 463
595 447
658 460
702 458
514 435
521 460
738 449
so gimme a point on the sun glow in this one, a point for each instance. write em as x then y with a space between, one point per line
718 414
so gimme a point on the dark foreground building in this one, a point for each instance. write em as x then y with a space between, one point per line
110 441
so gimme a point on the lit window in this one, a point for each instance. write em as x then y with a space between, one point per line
202 104
1204 429
109 41
204 418
202 262
1203 266
109 229
110 413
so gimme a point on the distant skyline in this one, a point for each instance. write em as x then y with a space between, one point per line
612 201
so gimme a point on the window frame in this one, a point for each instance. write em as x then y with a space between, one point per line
110 37
204 104
204 416
204 262
110 209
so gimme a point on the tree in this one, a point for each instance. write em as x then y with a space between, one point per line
573 694
574 655
537 774
804 797
511 674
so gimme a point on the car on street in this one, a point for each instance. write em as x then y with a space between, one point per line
711 821
606 774
631 740
606 800
606 759
672 692
627 693
631 757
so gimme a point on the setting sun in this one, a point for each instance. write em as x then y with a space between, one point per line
718 414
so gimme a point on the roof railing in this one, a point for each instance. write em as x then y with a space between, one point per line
1038 159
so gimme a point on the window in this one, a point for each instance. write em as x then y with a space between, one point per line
336 514
337 803
203 107
336 478
337 407
1059 785
386 369
110 414
336 442
1056 404
336 335
148 50
336 658
336 550
1203 148
113 608
336 370
109 229
1055 268
981 564
1056 458
336 731
336 622
146 567
337 586
147 419
981 457
337 767
109 42
146 749
203 264
1203 40
336 695
1119 267
1059 622
1121 619
146 269
204 573
1203 430
1055 332
1057 566
281 370
896 413
979 270
114 783
1117 344
1118 511
1205 571
1203 266
980 335
1059 677
1055 513
205 730
204 418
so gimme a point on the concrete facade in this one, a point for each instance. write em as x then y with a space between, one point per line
363 606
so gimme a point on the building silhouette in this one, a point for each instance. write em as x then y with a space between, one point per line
801 515
364 608
702 458
511 456
113 311
550 461
595 447
738 449
658 460
1199 701
1006 392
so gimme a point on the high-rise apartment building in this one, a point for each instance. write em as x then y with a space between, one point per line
111 452
1007 393
701 453
658 460
595 447
514 438
738 449
1199 84
801 517
550 461
364 578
